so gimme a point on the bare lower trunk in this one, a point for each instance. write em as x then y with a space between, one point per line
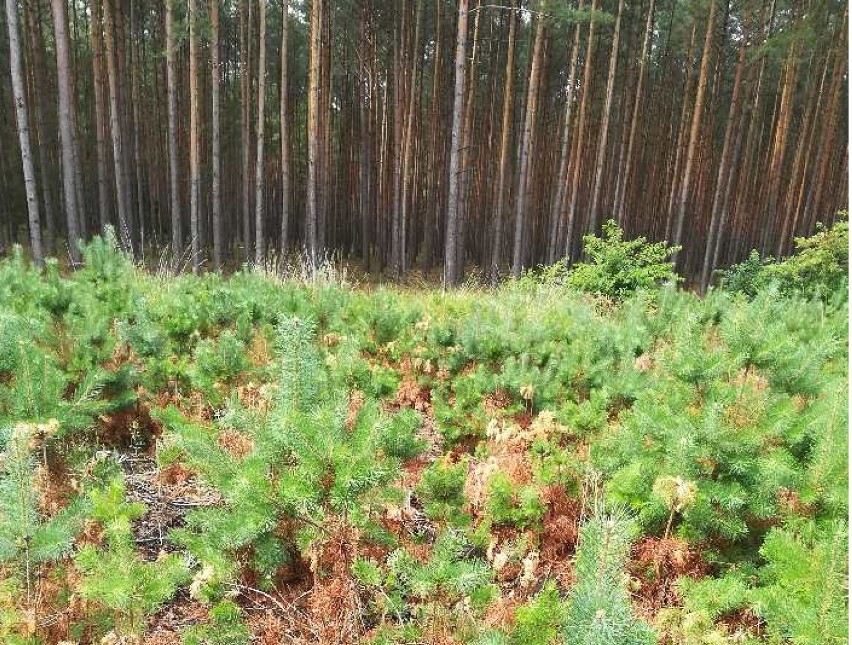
626 167
721 183
506 125
285 134
66 126
451 276
174 185
260 242
218 242
561 181
526 152
686 184
604 133
100 117
117 130
22 119
194 153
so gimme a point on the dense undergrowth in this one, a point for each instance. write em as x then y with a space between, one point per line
219 461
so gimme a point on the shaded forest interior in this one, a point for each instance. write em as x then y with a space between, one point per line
421 134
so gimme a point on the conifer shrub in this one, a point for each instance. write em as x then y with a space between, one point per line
819 267
539 621
441 490
431 590
615 268
599 609
217 363
306 462
508 504
225 627
116 577
28 537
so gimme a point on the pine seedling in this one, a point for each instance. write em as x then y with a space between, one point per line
224 628
28 538
538 622
308 460
116 577
599 608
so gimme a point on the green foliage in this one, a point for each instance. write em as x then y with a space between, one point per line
508 505
116 577
617 268
818 269
799 594
399 439
27 537
217 363
599 608
721 420
225 627
538 622
803 587
306 463
442 491
451 574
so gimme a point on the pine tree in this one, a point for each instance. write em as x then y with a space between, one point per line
599 608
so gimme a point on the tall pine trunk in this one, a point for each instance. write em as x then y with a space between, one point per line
581 130
66 126
96 30
260 242
194 153
22 119
625 168
505 135
526 152
285 133
594 215
686 182
561 181
116 130
174 183
313 133
218 242
451 272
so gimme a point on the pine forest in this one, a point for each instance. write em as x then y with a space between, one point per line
424 322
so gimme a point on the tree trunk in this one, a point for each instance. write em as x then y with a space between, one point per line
194 157
505 132
260 242
526 152
174 184
313 133
561 180
829 132
581 129
626 168
117 131
22 118
66 125
96 30
604 133
716 211
218 242
285 133
686 184
245 126
137 121
408 140
451 276
39 79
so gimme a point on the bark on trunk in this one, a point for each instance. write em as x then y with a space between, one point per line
22 119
